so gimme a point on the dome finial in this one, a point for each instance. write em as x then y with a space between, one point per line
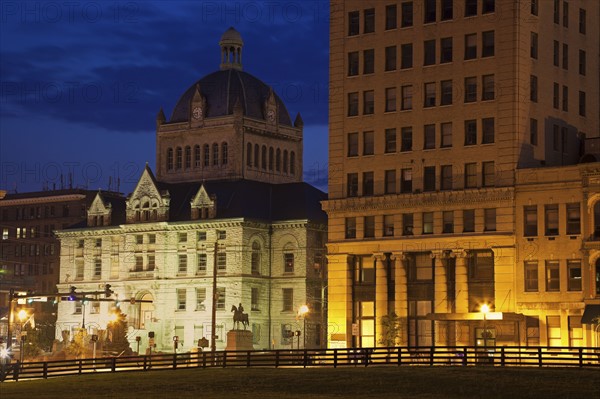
231 49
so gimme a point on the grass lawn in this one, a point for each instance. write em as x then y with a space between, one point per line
361 382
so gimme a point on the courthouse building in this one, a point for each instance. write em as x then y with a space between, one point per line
226 220
464 172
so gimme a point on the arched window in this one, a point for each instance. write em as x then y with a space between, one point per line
285 161
215 154
278 160
249 154
255 262
224 154
256 155
197 156
170 159
596 231
271 160
292 163
206 155
179 158
264 157
188 157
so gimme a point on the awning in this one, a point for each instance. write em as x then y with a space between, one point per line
590 313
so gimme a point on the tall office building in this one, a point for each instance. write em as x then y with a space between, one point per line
463 172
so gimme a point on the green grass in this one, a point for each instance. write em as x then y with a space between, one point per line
269 383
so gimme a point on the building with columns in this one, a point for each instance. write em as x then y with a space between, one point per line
464 172
226 220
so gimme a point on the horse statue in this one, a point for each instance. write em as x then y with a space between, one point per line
239 316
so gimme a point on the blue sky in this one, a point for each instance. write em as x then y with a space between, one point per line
81 82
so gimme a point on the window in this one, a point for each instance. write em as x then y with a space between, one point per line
350 227
181 298
488 6
551 219
352 144
406 181
565 56
488 93
487 44
97 268
368 182
565 98
468 220
556 53
368 102
197 162
182 237
533 88
565 14
369 227
445 50
575 331
533 46
531 276
352 180
220 298
470 8
552 276
369 16
407 92
388 225
368 143
556 11
202 236
390 140
201 264
448 222
368 61
170 159
429 95
407 58
573 219
429 178
255 258
446 89
471 132
406 137
390 99
390 17
555 94
487 128
574 275
182 264
429 11
530 221
254 299
353 63
407 14
179 160
407 224
533 131
470 89
429 137
288 262
447 10
582 21
221 259
534 7
488 174
470 46
489 219
427 222
470 175
353 23
352 104
582 62
188 157
390 181
446 133
95 308
288 299
200 298
582 103
390 58
446 179
429 52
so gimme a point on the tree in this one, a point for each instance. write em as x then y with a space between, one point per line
77 346
391 326
116 338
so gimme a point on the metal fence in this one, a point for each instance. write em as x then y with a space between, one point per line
505 356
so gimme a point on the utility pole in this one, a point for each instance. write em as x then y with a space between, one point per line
213 344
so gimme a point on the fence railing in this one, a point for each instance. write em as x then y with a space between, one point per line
505 356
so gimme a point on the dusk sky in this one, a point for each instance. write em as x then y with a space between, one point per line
81 82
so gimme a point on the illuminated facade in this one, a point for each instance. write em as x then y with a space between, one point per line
453 131
226 210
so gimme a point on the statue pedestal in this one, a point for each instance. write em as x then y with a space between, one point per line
239 340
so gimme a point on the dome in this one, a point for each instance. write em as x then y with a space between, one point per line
231 36
222 89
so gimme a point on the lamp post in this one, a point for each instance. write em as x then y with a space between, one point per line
485 309
302 311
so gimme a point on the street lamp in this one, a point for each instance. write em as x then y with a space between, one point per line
485 309
302 311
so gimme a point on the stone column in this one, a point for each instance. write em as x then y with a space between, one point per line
441 287
462 286
401 297
339 299
381 292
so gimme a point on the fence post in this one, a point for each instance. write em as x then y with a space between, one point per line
80 366
540 356
502 357
203 360
431 354
113 365
248 359
224 359
145 360
464 359
276 358
45 370
335 352
580 357
305 357
399 356
174 360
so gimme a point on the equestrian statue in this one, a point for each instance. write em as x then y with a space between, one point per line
239 316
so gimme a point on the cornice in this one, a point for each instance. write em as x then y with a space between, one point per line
42 199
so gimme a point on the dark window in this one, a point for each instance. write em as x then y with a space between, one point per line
582 21
390 182
388 225
468 220
565 98
391 17
352 180
447 10
488 47
488 172
288 299
179 158
390 58
407 58
471 132
170 159
427 222
407 92
368 182
407 14
534 7
406 136
470 46
352 104
353 23
488 88
531 276
573 219
368 61
390 99
556 11
446 135
446 95
552 276
429 95
470 8
488 6
390 140
288 262
429 11
429 52
582 62
533 131
369 227
446 179
487 128
445 50
533 88
406 181
574 275
565 14
565 56
429 137
368 102
368 143
188 157
350 228
582 103
429 178
352 144
369 15
448 222
470 89
555 95
533 47
353 63
551 219
489 219
556 53
530 224
470 175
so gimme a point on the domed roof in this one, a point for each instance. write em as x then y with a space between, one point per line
222 89
231 36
